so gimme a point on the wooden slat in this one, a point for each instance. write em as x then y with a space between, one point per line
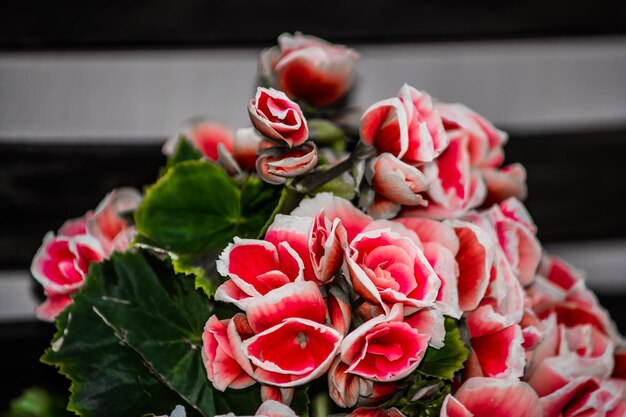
76 24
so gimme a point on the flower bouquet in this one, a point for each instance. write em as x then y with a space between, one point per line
328 260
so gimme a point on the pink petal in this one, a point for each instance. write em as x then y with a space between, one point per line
501 354
293 352
294 230
432 231
498 397
429 321
397 181
447 269
300 299
352 219
475 258
53 306
384 126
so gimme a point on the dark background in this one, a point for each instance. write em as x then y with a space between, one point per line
576 178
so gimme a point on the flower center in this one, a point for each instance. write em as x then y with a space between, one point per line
302 339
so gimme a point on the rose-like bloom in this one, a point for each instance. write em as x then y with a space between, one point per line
485 147
106 223
455 187
293 352
407 126
276 164
308 68
269 408
273 267
387 268
441 245
375 412
516 239
223 369
348 390
397 181
218 142
353 220
205 134
385 348
275 116
485 140
580 351
560 288
60 265
492 397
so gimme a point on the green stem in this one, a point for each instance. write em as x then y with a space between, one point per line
312 182
289 200
320 406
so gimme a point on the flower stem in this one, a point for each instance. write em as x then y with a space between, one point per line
320 406
313 182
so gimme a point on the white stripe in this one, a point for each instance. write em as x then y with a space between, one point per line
523 84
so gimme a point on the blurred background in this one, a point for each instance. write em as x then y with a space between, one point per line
90 91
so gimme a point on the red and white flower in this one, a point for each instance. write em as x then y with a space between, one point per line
107 225
220 356
385 348
485 140
455 187
580 351
386 268
293 352
395 180
60 266
308 68
278 118
273 267
276 164
408 126
219 142
492 397
353 220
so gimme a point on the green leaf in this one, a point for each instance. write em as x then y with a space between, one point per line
192 209
131 341
445 362
196 209
185 151
37 402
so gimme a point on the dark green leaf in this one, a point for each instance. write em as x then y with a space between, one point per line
107 378
445 362
131 343
192 209
185 151
196 209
